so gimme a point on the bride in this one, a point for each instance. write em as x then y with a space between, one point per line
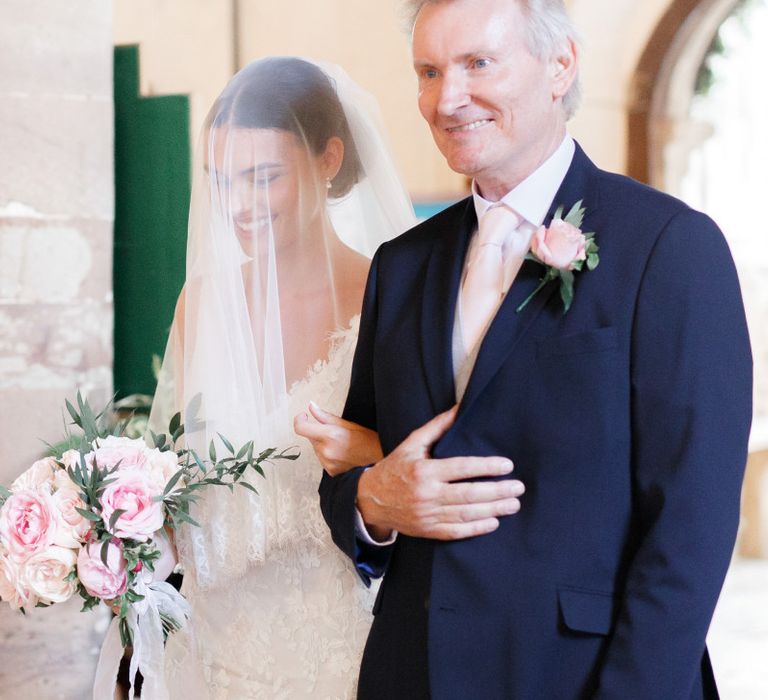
293 190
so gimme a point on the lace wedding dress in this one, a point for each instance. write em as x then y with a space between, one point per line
294 625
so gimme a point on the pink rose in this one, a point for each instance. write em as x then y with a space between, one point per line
560 245
73 527
105 582
39 475
133 491
45 572
29 522
13 588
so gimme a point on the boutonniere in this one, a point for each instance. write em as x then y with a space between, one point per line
563 249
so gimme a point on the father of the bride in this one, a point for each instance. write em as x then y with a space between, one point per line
620 390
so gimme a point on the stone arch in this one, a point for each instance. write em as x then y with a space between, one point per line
662 88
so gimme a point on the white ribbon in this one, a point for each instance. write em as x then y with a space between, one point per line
145 622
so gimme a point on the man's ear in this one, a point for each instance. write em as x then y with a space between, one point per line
564 69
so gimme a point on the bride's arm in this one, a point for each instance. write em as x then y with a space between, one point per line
339 444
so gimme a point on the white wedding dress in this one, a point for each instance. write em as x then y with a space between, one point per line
295 624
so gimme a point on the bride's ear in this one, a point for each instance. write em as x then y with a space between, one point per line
332 158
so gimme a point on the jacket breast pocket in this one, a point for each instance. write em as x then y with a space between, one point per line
596 340
588 612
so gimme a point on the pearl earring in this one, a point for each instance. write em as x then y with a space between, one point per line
328 183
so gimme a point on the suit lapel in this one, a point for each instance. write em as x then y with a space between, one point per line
438 304
509 326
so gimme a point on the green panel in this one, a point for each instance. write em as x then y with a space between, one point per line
152 184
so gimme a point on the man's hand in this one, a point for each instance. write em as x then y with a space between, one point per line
412 493
339 444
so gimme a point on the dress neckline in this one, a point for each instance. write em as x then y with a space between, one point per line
339 340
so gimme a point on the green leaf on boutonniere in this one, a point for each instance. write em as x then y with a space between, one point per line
566 288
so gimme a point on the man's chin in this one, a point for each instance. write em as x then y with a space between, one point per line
464 164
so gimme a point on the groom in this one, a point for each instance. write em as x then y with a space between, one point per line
626 416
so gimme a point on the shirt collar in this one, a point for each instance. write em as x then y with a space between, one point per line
532 198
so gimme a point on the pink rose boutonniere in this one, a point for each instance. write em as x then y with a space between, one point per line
563 249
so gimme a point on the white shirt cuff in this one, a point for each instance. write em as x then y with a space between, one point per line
362 533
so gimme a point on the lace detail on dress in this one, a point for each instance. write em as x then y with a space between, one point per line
292 625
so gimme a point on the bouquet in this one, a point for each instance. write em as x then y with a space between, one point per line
95 521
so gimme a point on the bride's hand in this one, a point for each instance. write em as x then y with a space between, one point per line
339 444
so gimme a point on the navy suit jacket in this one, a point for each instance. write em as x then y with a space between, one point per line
627 419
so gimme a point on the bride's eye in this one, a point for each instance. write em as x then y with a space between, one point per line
267 177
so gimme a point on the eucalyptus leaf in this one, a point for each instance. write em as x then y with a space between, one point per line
88 515
105 552
114 518
173 481
227 443
73 413
173 426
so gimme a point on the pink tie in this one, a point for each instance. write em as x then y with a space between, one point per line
483 286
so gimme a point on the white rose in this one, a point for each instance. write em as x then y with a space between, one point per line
45 572
73 527
39 475
70 459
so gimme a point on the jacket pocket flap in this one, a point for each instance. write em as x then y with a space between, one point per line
595 340
586 611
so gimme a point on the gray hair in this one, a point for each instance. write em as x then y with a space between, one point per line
549 29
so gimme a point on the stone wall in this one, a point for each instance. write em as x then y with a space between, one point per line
56 211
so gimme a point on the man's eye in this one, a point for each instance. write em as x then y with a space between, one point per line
429 73
481 63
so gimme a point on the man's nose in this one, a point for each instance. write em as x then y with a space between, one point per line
454 94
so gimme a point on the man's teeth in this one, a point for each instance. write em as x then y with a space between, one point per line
470 126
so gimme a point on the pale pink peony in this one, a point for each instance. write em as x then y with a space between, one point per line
125 452
128 453
45 572
39 475
14 590
73 527
163 465
29 523
559 246
133 491
105 582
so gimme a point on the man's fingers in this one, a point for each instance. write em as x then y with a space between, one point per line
481 491
457 468
478 512
463 531
429 433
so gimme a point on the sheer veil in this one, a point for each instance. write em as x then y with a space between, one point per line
293 190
